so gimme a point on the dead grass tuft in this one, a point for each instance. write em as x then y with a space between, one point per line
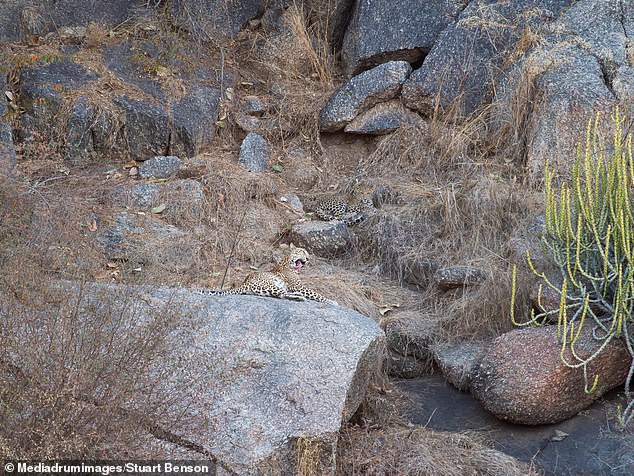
413 450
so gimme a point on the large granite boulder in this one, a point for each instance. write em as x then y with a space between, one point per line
384 30
361 93
582 67
521 377
459 70
248 380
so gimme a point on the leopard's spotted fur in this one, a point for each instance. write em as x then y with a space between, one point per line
281 282
351 210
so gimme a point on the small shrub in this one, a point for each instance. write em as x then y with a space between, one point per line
590 237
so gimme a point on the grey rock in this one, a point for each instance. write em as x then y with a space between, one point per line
42 84
382 119
215 18
253 106
411 334
294 202
385 30
403 366
25 17
322 238
188 124
247 377
570 93
361 93
161 166
255 153
79 148
141 195
142 240
248 123
451 277
459 69
521 377
146 127
582 67
193 120
457 362
7 149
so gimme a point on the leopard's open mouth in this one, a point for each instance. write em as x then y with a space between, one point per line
299 263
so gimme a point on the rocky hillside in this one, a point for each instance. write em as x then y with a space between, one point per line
151 148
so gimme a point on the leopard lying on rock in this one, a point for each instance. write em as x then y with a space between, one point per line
281 282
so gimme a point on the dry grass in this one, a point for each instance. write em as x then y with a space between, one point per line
413 450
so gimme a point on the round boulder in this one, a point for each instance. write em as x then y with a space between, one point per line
523 379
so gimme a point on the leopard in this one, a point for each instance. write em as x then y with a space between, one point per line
282 281
352 208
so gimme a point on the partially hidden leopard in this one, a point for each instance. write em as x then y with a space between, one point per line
282 281
352 209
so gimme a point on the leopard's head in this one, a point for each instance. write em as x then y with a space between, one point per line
295 258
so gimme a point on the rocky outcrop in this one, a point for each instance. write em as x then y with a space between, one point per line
361 93
522 378
384 30
460 68
583 66
247 379
141 119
